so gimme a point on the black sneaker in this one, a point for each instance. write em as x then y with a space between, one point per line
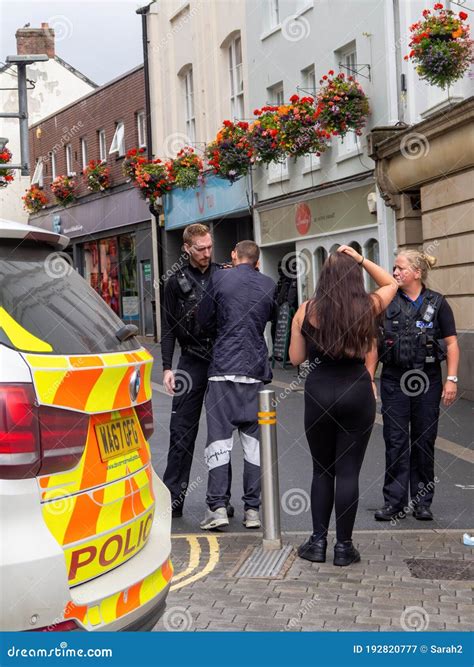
389 512
423 513
345 553
230 510
177 512
313 550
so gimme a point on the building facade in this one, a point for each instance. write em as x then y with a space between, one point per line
110 231
198 77
51 85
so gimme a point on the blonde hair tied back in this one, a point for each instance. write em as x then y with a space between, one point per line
419 260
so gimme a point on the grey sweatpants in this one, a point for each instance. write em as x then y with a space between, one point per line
232 406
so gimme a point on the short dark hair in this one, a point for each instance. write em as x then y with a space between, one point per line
248 250
194 230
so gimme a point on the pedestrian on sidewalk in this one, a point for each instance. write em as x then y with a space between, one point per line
418 333
183 292
335 331
238 304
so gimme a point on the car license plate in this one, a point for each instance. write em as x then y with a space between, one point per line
117 437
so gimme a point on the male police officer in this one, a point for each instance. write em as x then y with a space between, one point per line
239 303
188 383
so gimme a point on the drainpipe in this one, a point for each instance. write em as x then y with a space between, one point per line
156 230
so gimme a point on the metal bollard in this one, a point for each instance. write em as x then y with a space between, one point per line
269 470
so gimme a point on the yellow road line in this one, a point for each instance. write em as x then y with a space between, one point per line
194 556
210 565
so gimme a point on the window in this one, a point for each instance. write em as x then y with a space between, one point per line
320 256
69 170
53 166
236 79
277 171
273 13
371 251
189 106
102 145
38 173
308 77
141 127
348 64
58 308
118 142
84 153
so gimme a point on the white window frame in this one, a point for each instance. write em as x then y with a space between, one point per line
69 170
84 153
273 13
348 58
38 173
141 129
277 171
236 78
189 113
53 165
102 146
118 140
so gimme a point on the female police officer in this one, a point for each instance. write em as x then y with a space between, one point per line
418 333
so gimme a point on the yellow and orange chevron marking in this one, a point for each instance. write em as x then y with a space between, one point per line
111 608
90 383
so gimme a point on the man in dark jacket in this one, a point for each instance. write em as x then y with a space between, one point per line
238 303
187 384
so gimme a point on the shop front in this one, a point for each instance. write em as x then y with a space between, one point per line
111 246
296 236
225 207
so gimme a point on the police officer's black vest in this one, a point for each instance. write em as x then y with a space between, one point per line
191 337
410 337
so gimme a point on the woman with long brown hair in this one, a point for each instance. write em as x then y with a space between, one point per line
336 331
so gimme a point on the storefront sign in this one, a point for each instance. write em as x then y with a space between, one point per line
216 198
303 218
321 215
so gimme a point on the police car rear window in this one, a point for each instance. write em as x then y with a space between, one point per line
47 298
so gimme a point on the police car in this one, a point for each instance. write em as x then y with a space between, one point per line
86 522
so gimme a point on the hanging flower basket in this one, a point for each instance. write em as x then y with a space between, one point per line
231 154
97 176
6 175
264 136
64 190
34 199
300 133
342 104
440 46
186 168
133 159
153 180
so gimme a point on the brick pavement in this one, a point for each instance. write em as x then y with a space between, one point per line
377 594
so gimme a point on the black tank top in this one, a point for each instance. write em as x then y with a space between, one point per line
315 352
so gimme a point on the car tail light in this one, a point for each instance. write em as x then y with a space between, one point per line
63 626
145 417
19 432
63 438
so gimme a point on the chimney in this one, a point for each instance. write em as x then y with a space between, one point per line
35 40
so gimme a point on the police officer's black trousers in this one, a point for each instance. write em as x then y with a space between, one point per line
410 424
191 384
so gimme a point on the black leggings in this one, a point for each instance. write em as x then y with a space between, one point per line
339 416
